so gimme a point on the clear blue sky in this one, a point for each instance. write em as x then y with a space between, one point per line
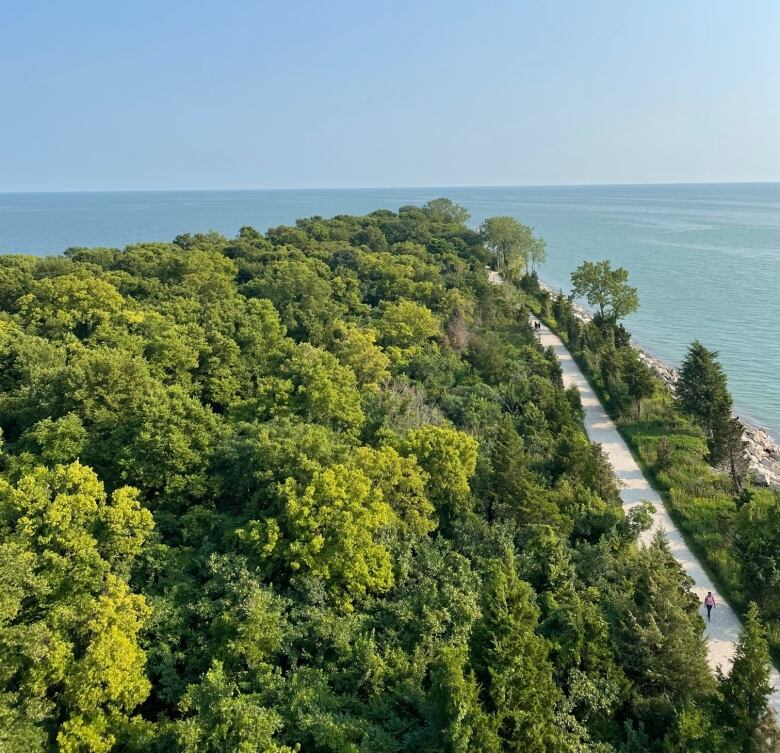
233 94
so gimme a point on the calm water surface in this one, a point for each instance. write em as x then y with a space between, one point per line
704 257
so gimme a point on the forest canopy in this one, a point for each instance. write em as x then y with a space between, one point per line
319 489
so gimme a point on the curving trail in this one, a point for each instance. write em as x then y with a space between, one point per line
723 632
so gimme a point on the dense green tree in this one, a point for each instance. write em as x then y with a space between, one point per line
702 394
757 541
638 379
746 689
69 623
459 723
221 717
513 665
605 288
324 391
447 210
509 241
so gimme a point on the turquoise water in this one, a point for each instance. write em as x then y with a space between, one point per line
704 257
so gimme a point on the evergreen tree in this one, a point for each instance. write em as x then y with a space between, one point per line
638 379
514 669
703 395
745 691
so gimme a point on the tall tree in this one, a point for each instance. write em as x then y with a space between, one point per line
513 664
746 690
638 379
447 210
728 438
508 239
606 288
537 253
703 395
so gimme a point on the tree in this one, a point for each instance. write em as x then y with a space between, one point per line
329 529
402 483
406 324
458 721
447 210
69 305
757 544
606 288
660 633
638 378
536 254
513 665
221 718
356 348
702 394
325 391
508 240
69 623
301 293
449 457
727 437
746 689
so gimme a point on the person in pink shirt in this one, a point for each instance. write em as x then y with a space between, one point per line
709 602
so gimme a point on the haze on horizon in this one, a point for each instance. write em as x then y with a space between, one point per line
98 96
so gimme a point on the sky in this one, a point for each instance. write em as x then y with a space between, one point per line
98 95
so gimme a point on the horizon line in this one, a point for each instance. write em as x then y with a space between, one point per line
396 188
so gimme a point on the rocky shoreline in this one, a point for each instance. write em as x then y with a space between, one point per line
761 451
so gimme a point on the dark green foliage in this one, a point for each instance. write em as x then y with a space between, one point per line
337 500
703 395
745 691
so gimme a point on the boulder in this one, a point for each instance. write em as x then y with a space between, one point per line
761 476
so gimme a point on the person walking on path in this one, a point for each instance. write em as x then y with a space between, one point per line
709 602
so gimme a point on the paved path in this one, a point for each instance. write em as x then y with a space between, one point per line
723 631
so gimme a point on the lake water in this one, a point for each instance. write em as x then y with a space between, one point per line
704 257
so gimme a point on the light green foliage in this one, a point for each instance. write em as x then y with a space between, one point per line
324 392
356 348
402 483
223 718
606 288
68 622
510 241
301 293
449 458
407 324
60 441
69 305
329 530
692 733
